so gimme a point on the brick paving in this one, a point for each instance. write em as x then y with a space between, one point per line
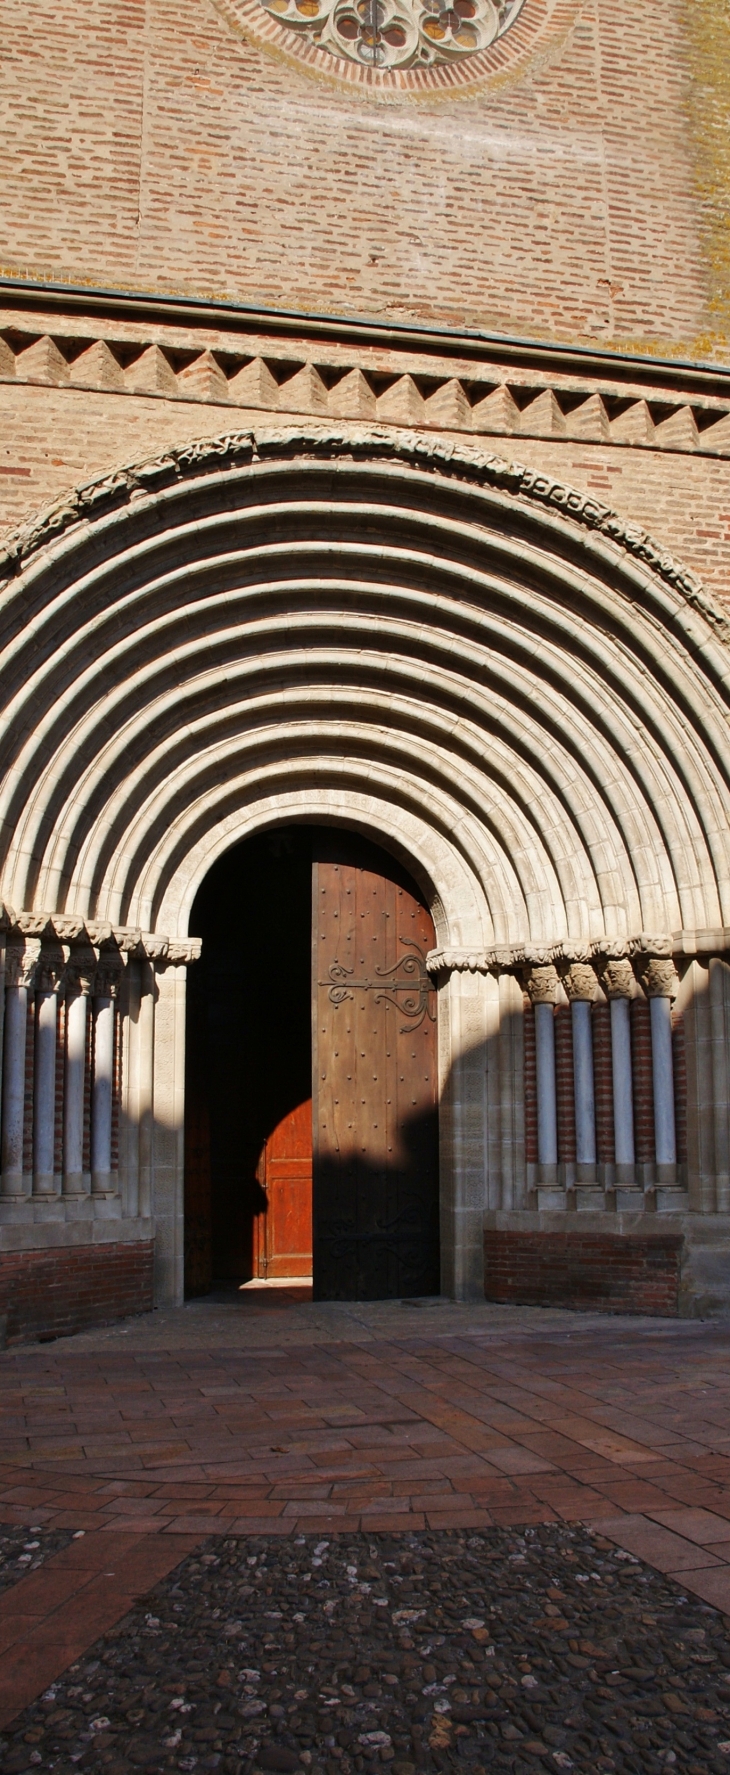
273 1414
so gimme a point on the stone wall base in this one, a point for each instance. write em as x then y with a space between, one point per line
51 1293
585 1270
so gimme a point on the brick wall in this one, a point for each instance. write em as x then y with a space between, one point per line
149 146
53 1293
584 1270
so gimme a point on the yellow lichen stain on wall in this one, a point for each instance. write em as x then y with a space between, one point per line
708 38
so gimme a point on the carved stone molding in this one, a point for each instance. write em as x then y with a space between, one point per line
102 945
239 449
579 965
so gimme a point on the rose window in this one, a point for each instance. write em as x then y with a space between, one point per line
398 33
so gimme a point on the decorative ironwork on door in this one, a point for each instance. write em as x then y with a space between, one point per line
407 986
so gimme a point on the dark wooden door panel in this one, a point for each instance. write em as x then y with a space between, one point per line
375 1086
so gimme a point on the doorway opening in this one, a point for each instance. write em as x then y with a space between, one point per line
311 1139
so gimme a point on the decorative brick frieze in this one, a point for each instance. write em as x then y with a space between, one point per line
481 399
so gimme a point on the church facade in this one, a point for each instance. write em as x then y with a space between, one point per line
365 673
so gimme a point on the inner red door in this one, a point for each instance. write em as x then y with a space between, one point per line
283 1228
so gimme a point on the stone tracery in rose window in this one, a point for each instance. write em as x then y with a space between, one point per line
398 33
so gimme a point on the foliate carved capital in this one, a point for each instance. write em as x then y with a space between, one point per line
107 977
580 982
79 974
659 978
542 985
50 969
21 962
617 978
180 955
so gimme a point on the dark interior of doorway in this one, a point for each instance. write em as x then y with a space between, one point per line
249 1041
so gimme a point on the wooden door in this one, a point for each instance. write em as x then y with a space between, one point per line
374 1079
283 1227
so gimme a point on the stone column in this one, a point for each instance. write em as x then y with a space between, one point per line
660 982
44 1082
542 986
620 986
104 1013
21 966
580 985
79 983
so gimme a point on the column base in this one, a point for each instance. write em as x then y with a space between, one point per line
632 1201
76 1183
551 1199
589 1198
672 1201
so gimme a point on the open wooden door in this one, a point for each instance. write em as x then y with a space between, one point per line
375 1160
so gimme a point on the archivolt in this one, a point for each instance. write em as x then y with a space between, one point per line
314 626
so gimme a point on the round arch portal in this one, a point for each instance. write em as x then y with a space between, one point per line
519 697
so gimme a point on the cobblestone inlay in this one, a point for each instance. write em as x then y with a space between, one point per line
22 1550
546 1648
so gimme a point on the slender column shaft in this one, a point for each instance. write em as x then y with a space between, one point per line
585 1105
16 1021
623 1099
101 1097
73 1119
547 1118
663 1080
44 1093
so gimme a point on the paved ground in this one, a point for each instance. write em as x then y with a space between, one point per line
265 1414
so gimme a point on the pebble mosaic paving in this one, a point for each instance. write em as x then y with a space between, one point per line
549 1649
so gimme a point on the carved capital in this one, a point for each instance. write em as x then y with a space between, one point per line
659 978
50 970
79 975
21 962
543 985
580 982
107 977
617 978
457 961
178 955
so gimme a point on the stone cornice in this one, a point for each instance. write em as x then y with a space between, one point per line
106 939
515 957
109 492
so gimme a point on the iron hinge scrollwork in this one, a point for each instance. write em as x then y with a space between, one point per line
407 986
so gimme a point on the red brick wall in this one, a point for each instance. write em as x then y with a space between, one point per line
641 1068
52 1293
530 1064
565 1084
149 146
584 1270
603 1084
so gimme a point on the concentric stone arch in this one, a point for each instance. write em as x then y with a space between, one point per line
522 696
510 688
